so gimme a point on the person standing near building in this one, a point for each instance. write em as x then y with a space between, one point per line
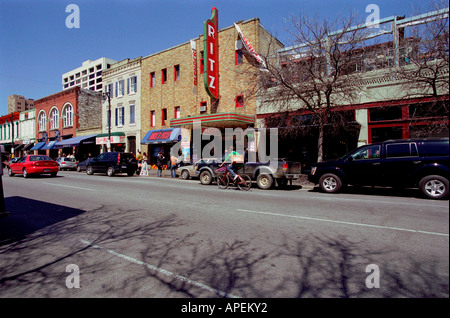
160 162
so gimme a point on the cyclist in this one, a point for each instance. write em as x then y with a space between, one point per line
234 165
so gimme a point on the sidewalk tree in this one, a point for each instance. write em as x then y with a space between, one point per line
424 71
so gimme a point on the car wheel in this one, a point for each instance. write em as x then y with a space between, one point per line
330 183
434 187
205 177
110 171
10 173
264 181
89 170
185 174
25 173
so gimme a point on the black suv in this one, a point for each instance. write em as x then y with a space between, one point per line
113 162
422 163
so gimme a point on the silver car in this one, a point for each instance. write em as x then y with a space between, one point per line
66 163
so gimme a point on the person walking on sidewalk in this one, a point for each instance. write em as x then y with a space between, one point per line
160 162
173 166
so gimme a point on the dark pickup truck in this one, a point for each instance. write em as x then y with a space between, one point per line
265 174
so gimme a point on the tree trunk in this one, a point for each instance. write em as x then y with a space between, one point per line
320 143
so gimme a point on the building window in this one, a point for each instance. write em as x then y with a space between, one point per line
54 118
42 120
163 116
164 75
68 115
120 88
120 116
240 101
202 62
203 106
132 85
176 72
132 114
152 79
239 58
177 113
152 118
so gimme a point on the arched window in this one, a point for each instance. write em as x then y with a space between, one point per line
68 115
42 120
54 118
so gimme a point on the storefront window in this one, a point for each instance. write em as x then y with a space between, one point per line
385 113
386 133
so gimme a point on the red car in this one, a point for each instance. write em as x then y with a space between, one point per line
33 164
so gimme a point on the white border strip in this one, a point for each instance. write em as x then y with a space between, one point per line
162 271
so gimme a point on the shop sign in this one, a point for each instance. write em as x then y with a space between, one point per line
114 140
194 65
158 135
211 48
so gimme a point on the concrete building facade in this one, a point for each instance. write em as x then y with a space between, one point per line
18 103
123 84
88 76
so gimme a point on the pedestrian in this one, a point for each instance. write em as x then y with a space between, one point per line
139 157
173 166
160 162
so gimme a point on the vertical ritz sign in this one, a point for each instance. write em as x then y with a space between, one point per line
211 49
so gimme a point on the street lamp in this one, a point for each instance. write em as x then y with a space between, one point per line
106 95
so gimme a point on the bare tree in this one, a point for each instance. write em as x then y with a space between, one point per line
424 67
316 75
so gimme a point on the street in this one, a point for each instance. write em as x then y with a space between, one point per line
170 238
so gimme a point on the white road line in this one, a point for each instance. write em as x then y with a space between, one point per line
163 271
344 222
67 186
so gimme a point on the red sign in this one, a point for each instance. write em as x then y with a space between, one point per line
211 49
157 135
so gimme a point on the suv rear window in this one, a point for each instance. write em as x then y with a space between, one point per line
435 148
401 150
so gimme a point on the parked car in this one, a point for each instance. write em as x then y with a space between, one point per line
422 163
33 164
66 163
112 163
186 171
278 171
81 166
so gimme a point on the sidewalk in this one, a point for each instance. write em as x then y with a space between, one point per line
302 181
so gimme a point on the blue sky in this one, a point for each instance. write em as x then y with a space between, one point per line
36 47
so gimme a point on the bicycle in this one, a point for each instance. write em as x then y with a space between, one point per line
224 178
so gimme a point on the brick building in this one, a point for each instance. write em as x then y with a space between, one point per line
58 119
171 103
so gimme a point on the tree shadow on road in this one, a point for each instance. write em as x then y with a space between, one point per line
119 245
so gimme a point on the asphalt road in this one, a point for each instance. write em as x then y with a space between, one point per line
168 238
